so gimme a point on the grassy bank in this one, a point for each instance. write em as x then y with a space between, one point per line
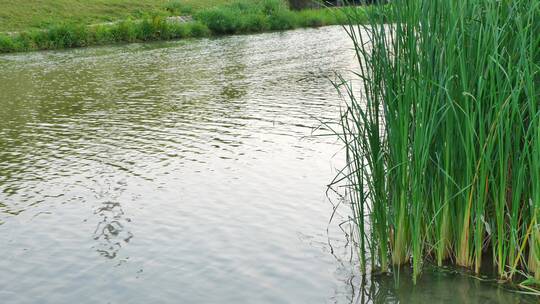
42 14
235 17
443 145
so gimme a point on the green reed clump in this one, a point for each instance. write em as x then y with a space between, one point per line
443 143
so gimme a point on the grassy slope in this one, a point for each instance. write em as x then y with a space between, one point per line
211 18
32 14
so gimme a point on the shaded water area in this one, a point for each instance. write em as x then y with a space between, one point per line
184 172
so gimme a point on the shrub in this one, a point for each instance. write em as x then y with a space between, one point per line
125 31
220 20
67 36
40 39
248 16
198 29
102 34
312 18
254 23
270 7
180 30
145 30
162 29
7 45
23 42
283 20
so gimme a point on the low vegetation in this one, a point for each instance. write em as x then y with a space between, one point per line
443 144
70 36
264 15
233 17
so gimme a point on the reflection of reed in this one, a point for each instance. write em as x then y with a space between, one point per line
110 231
436 285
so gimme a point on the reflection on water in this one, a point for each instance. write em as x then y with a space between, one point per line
435 287
182 172
111 231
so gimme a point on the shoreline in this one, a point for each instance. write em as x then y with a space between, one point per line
213 22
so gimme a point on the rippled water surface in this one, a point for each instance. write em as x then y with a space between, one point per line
183 172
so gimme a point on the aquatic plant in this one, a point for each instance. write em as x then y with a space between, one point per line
443 138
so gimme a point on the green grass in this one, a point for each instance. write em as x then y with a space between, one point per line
70 36
256 16
443 144
40 14
234 17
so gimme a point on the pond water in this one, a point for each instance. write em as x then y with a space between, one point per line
184 172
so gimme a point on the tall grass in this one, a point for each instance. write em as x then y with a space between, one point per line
69 35
443 143
245 16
